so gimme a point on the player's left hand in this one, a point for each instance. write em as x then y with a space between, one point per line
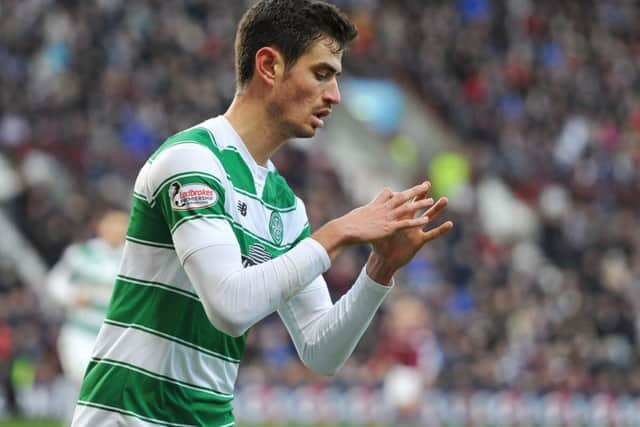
392 252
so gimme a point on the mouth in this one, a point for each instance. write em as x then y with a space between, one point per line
319 115
322 113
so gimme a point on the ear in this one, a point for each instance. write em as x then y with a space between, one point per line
269 65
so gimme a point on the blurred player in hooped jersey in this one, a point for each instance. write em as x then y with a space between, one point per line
82 282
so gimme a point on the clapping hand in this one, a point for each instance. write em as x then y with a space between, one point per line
395 250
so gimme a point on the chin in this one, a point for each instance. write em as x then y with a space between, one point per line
304 132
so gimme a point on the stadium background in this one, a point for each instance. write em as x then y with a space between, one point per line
525 113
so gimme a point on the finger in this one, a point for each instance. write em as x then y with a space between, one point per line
420 221
411 193
423 196
383 196
437 208
438 231
411 207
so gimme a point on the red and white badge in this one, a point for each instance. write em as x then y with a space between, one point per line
191 196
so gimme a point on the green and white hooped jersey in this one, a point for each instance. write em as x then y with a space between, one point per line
158 360
91 267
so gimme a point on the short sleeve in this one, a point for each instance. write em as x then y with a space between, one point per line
189 190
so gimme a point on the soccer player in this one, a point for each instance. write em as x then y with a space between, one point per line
82 282
217 240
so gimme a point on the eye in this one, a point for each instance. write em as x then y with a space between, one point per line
323 75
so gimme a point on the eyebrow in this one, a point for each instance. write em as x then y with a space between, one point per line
326 65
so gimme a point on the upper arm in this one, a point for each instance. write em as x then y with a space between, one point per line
186 185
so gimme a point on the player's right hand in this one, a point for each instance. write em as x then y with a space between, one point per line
386 214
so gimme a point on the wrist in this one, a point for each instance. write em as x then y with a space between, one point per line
332 237
380 270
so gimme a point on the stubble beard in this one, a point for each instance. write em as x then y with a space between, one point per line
285 127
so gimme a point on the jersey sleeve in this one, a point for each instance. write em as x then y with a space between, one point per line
326 334
187 184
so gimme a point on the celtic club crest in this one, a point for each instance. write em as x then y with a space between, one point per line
275 227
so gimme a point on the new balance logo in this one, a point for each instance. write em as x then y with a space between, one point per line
242 208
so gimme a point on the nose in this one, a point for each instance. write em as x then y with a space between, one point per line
332 93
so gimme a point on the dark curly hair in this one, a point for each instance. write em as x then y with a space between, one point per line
291 26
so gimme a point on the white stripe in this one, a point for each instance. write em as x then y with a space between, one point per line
140 185
171 338
166 358
154 265
196 216
178 159
89 416
191 158
201 233
256 220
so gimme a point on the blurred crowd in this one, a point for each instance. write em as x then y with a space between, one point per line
535 292
545 96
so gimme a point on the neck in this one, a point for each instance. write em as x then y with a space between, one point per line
249 117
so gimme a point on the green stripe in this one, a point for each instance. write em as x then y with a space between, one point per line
277 192
147 225
147 243
148 397
172 314
306 232
265 204
155 375
236 167
231 160
277 195
134 280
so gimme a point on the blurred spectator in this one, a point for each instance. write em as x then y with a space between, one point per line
407 358
82 283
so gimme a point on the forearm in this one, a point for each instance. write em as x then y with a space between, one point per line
235 298
325 335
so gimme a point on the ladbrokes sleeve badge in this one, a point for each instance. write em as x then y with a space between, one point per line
191 196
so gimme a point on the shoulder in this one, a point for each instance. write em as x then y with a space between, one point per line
187 159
